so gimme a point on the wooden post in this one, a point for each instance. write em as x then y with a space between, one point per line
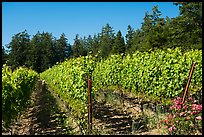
189 80
89 105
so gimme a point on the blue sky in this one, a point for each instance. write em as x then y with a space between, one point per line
71 18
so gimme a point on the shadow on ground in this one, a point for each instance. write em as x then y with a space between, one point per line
42 117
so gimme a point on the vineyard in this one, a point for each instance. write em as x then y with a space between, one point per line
16 89
155 77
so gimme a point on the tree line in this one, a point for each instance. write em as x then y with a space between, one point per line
43 50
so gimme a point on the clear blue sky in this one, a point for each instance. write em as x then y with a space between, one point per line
71 18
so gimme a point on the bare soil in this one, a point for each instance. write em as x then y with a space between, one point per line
110 117
39 118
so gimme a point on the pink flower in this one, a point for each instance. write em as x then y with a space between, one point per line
199 117
177 102
170 129
194 112
178 98
178 107
195 101
181 114
196 107
185 107
171 107
190 98
170 116
199 107
173 127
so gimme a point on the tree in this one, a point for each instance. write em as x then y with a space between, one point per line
69 52
129 38
153 29
42 55
107 38
4 56
18 49
89 45
187 27
61 48
119 45
96 44
77 47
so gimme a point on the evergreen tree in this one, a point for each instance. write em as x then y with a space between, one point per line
152 29
48 51
4 56
18 49
129 38
77 47
41 52
187 27
61 49
119 45
35 50
96 44
106 40
69 52
89 45
84 43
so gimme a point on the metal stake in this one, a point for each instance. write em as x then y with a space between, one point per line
89 105
189 80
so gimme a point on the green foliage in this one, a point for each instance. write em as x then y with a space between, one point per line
16 90
159 73
119 45
61 49
107 38
78 49
4 56
129 38
18 49
69 80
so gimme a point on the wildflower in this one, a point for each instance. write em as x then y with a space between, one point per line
170 129
171 107
185 107
181 114
173 127
178 98
177 102
199 107
199 117
194 112
194 106
170 116
178 107
190 98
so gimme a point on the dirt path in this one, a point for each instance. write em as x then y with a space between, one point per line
40 117
123 117
43 116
